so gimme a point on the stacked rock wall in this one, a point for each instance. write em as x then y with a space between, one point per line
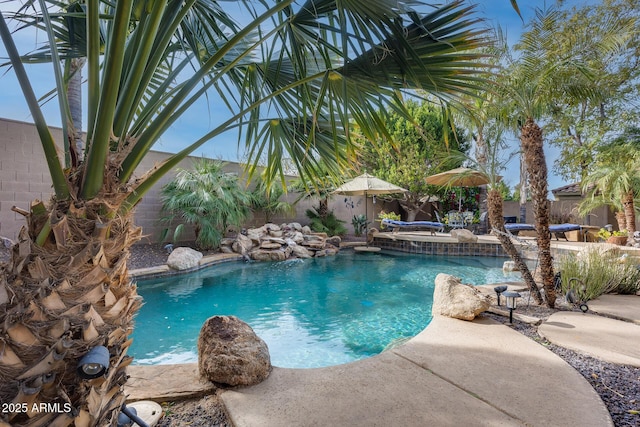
273 242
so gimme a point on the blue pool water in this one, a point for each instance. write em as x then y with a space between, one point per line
311 313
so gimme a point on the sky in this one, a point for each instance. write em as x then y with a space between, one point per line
200 120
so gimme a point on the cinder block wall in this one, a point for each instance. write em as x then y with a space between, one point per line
24 177
24 174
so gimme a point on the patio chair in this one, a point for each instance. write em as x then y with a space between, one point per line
557 230
455 219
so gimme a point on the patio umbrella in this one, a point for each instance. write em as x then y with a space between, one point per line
459 177
367 185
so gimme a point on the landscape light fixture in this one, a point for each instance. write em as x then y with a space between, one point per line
510 299
94 364
499 290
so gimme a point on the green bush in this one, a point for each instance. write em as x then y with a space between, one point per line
598 274
207 198
387 215
328 224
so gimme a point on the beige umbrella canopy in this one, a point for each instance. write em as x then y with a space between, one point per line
368 185
459 177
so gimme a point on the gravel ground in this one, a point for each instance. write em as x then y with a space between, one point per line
617 385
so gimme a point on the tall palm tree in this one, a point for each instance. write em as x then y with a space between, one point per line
293 78
540 78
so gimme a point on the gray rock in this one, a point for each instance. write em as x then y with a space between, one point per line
277 240
452 298
184 258
268 255
229 352
334 240
306 230
464 236
269 245
301 251
242 244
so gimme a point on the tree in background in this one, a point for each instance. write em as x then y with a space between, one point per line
538 82
599 98
268 199
293 77
615 179
416 149
208 198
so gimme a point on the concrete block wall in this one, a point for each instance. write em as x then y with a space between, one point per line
24 175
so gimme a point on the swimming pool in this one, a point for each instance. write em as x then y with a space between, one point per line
311 313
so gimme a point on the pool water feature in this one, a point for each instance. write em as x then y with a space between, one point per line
311 313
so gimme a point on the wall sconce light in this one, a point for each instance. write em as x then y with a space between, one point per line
499 290
510 299
94 364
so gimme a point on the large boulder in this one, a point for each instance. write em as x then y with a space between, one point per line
452 298
464 236
242 245
268 255
184 258
229 352
301 251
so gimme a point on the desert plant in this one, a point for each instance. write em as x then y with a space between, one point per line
328 223
359 223
598 273
206 197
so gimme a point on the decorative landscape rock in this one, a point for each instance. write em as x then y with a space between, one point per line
273 242
509 266
452 298
184 258
464 236
229 352
242 245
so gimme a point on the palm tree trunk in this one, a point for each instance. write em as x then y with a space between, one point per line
494 206
62 297
531 139
629 213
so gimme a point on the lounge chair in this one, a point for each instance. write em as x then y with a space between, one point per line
555 229
432 226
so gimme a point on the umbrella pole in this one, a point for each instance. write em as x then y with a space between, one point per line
366 219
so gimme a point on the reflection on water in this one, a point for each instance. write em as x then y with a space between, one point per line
313 312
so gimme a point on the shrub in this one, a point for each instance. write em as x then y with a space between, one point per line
207 198
599 274
328 224
359 223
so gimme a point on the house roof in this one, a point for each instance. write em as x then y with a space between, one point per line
568 190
